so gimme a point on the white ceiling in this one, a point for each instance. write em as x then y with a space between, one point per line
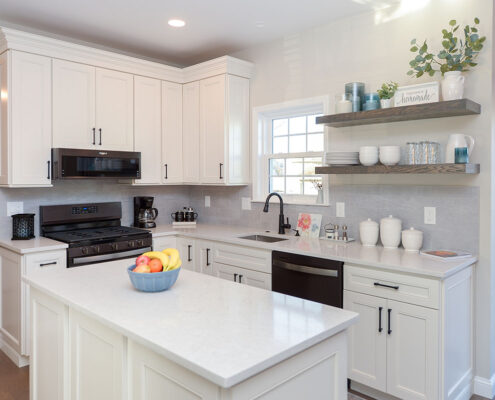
214 28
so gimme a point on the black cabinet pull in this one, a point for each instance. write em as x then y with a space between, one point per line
380 329
389 325
386 286
207 257
48 263
240 278
49 171
100 135
189 259
235 277
166 171
94 136
221 165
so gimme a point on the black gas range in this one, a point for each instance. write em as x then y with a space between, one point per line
93 232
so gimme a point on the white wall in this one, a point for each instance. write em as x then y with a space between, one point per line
374 48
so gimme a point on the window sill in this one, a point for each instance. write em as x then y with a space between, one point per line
296 203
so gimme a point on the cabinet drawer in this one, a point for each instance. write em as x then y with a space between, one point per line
164 242
48 259
395 286
244 257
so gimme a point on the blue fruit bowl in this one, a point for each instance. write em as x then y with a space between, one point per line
153 282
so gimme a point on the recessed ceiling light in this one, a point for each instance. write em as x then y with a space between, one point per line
176 23
259 24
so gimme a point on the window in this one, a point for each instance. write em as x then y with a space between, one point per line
289 146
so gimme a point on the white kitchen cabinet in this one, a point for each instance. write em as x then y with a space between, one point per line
171 132
164 242
114 110
148 128
224 130
190 132
186 247
26 119
204 256
242 275
74 124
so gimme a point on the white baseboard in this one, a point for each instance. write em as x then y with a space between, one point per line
484 387
17 359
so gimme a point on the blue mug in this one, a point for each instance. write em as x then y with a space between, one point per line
461 155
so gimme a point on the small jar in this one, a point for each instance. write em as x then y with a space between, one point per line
390 232
412 240
343 103
368 232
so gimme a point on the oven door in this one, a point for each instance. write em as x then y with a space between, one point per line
309 278
99 258
95 164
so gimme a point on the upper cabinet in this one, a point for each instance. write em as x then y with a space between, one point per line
25 115
190 132
224 130
92 107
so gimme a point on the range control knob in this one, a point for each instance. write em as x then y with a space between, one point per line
113 246
140 243
84 250
131 243
96 249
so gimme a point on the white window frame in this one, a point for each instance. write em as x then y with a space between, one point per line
262 143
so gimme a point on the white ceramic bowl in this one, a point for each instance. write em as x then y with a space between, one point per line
412 240
390 155
368 148
368 155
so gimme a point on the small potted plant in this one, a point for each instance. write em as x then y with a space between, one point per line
456 56
386 94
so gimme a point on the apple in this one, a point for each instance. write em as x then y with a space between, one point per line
142 269
143 260
155 265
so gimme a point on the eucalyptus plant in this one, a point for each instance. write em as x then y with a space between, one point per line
387 90
456 54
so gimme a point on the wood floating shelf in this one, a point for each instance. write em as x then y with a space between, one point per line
401 169
452 108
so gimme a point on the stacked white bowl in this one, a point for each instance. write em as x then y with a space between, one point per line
368 155
389 155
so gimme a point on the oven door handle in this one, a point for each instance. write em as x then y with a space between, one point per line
109 256
306 269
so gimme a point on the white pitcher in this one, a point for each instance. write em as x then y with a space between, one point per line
452 86
457 140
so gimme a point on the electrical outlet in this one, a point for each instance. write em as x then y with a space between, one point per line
207 201
14 207
340 209
246 203
430 215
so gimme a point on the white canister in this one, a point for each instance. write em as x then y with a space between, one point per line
412 240
452 86
390 232
368 232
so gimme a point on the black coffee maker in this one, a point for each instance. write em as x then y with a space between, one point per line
144 213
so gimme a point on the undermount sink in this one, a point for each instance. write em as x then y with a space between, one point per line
262 238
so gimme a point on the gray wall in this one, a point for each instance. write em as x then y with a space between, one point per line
457 210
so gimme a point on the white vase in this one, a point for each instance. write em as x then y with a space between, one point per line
319 198
457 140
452 86
386 103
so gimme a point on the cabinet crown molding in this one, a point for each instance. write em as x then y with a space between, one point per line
14 39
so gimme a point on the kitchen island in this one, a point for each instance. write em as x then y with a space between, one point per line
95 337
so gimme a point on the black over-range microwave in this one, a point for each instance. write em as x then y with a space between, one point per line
95 164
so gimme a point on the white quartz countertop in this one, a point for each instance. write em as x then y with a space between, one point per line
220 330
397 260
35 245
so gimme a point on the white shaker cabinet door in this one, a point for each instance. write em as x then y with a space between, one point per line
148 128
368 340
114 110
212 129
223 271
31 124
186 251
412 352
190 132
73 105
254 278
172 132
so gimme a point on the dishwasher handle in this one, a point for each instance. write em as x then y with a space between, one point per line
306 269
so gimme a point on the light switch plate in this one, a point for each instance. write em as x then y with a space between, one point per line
340 209
207 201
14 207
246 203
430 215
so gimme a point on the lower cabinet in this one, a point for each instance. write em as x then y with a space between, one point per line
204 256
186 247
242 275
164 242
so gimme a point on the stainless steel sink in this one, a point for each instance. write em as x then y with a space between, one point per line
263 238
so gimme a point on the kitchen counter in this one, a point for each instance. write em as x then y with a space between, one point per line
220 330
397 260
35 245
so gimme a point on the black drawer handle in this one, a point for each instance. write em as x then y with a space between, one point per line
386 286
100 135
189 259
221 165
166 171
48 263
94 136
235 277
240 278
380 329
49 170
207 257
389 324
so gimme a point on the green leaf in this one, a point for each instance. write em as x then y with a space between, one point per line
446 44
473 64
414 49
474 37
419 58
431 73
413 41
410 72
419 74
413 63
474 29
455 29
452 22
476 20
423 48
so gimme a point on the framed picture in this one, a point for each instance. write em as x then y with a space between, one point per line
417 94
309 225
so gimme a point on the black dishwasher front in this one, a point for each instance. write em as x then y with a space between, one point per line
309 278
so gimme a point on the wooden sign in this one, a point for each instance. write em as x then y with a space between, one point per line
417 94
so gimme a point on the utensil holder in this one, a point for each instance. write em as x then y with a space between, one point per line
22 226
